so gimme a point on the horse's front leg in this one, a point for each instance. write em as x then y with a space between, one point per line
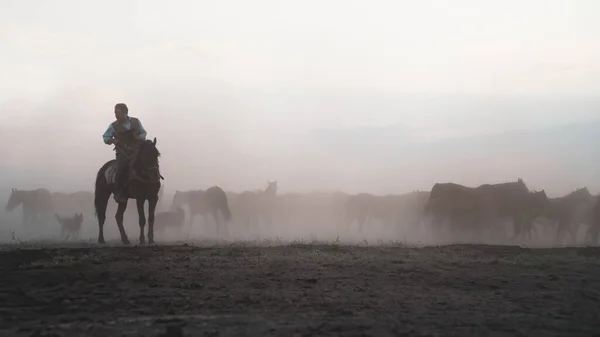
190 221
27 220
151 209
142 219
119 217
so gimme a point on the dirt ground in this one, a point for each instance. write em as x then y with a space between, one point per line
299 290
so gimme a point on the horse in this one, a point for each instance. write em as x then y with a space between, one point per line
531 208
252 205
394 209
35 203
143 184
358 207
169 219
476 207
564 209
72 224
211 201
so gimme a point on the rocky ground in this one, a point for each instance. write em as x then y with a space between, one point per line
298 290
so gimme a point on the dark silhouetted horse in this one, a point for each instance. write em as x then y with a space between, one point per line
205 202
143 184
475 208
35 204
564 209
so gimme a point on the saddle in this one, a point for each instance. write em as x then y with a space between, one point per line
111 171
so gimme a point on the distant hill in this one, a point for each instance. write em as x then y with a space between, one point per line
558 158
567 140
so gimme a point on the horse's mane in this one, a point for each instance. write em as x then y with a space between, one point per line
148 145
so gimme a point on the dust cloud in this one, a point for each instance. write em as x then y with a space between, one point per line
369 102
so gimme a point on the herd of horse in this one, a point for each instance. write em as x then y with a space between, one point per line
460 210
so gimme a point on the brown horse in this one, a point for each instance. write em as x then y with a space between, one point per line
70 225
35 204
143 184
564 209
250 206
474 208
358 207
210 202
532 207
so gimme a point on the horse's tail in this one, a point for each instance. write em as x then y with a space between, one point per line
101 183
225 209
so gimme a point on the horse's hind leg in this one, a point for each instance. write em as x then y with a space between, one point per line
222 223
151 210
591 235
102 202
573 231
141 219
190 223
560 231
25 218
119 217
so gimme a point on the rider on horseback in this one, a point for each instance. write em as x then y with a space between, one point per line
126 133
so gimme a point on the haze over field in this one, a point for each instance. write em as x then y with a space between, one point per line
316 157
360 96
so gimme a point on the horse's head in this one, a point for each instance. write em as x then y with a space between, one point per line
271 188
519 186
16 198
147 161
538 199
179 199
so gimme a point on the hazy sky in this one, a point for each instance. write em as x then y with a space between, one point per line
235 88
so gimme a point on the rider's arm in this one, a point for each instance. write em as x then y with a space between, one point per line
108 134
141 131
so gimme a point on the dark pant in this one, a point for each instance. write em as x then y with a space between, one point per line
122 170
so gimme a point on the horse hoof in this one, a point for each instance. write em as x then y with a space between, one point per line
101 241
125 242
